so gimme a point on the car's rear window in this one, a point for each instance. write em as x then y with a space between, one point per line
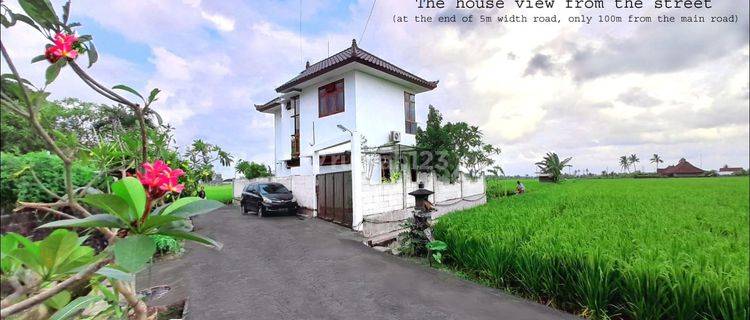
272 189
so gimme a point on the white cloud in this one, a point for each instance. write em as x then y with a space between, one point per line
527 86
169 65
221 22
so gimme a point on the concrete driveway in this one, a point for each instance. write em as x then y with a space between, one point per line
287 268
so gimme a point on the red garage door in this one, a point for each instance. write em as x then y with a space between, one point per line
334 192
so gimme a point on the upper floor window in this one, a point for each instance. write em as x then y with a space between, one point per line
410 112
331 98
294 111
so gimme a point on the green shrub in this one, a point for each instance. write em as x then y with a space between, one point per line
167 244
17 182
641 248
412 242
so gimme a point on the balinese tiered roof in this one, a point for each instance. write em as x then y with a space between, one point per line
354 54
682 167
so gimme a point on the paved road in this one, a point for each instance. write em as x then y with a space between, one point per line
287 268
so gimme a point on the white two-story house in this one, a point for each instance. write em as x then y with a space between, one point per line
340 127
352 90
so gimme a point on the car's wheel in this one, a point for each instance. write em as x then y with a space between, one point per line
261 211
243 209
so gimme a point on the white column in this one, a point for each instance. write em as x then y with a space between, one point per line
357 216
316 162
315 172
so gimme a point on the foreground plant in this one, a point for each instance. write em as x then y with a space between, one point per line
59 273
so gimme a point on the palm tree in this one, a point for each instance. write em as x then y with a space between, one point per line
625 163
656 159
552 165
633 159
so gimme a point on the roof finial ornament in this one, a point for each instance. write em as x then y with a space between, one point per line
307 64
354 47
354 42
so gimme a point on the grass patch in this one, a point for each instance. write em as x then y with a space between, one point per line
221 193
634 248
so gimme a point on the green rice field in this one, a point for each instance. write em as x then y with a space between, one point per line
221 192
620 248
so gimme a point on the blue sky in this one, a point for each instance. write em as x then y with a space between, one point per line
591 92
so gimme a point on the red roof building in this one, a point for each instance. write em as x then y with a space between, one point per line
682 169
726 170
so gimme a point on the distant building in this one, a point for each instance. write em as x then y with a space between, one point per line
217 178
545 177
682 169
726 170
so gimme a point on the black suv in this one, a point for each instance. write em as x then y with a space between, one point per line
267 197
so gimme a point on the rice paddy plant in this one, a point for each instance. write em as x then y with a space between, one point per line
640 249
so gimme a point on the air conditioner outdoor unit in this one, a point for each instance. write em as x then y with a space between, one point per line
395 136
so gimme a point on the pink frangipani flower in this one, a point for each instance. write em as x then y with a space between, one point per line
62 47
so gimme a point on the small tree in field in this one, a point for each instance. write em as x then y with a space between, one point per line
252 170
552 165
453 146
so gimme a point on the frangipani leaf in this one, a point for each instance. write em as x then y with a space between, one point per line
194 208
134 252
112 204
158 221
92 53
94 221
74 307
41 11
54 70
178 204
116 274
80 256
192 236
30 259
58 301
131 190
57 247
128 89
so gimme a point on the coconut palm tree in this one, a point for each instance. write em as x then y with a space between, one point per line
633 159
552 165
625 163
656 159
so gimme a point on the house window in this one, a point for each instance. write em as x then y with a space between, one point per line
292 163
294 110
331 98
410 112
385 167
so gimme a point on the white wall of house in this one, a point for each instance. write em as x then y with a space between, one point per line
326 127
380 109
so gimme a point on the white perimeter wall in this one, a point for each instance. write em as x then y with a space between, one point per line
386 197
387 205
